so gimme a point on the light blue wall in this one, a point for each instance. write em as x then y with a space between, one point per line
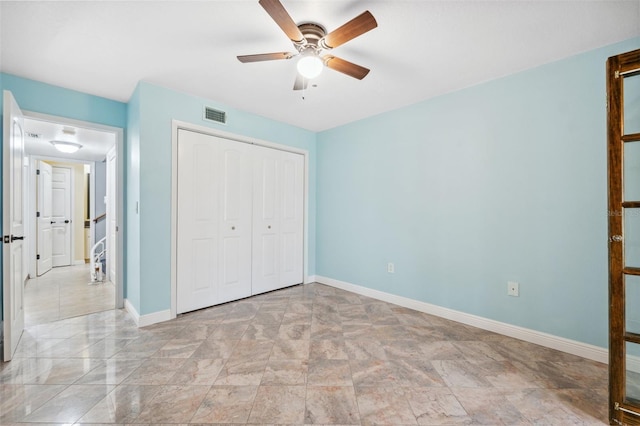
47 99
157 107
501 181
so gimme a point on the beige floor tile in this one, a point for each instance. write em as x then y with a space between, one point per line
69 405
226 404
279 405
331 405
173 404
122 405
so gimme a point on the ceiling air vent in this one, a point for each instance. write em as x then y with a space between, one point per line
217 116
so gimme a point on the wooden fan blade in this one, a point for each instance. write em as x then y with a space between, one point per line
266 57
301 82
345 67
352 29
279 14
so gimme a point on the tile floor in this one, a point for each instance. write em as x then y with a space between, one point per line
303 355
64 293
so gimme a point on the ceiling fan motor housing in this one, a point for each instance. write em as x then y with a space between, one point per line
312 33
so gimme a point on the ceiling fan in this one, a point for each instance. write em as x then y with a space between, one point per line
310 39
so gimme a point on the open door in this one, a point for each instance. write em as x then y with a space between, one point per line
13 226
623 121
43 218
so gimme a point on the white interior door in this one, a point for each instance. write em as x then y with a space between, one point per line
198 222
43 218
214 221
61 216
278 219
291 219
111 214
235 220
266 219
13 225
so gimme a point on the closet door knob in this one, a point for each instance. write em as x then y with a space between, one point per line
233 228
269 227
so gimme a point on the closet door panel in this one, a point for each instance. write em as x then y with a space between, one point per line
266 220
198 222
292 219
235 225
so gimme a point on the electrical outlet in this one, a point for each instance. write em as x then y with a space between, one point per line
513 289
391 268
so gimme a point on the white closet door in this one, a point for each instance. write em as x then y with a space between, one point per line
291 219
278 194
214 208
235 220
198 222
266 220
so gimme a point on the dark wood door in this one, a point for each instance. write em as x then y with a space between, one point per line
623 121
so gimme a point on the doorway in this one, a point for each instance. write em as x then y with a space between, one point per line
68 195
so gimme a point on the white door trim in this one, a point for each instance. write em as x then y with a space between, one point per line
112 260
175 126
119 134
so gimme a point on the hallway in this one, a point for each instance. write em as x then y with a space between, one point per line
64 293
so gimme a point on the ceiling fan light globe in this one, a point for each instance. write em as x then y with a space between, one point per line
310 66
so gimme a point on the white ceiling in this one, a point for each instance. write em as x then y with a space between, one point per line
420 49
95 143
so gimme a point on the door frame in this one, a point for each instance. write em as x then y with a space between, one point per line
108 229
182 125
119 135
621 409
33 204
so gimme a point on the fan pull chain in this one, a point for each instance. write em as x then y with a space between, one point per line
304 87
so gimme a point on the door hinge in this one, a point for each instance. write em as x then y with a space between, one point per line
37 257
616 74
37 171
37 214
7 239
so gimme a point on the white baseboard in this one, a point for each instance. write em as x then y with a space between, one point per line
148 319
79 262
574 347
132 311
310 279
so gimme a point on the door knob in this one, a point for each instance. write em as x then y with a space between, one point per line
269 227
13 238
67 221
233 228
53 221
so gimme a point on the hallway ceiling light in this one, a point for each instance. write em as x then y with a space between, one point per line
66 147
